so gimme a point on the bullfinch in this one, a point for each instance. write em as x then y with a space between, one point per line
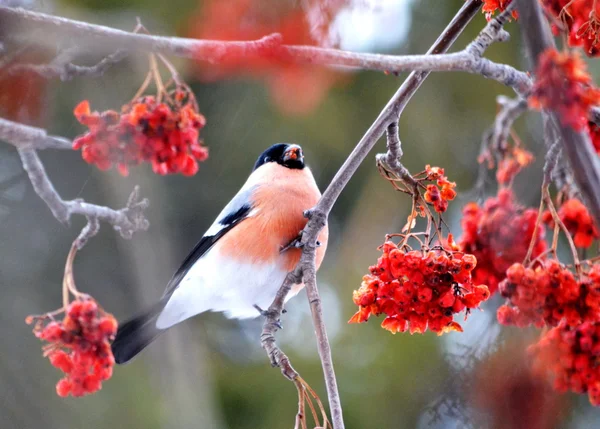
241 261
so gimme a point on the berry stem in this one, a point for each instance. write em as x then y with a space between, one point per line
144 86
538 222
548 200
68 280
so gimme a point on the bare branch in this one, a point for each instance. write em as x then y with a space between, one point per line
27 140
104 39
126 220
24 136
62 67
576 145
509 112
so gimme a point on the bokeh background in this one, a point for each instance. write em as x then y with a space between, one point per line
211 372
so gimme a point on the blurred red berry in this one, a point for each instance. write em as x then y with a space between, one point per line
564 85
548 294
569 356
498 234
579 19
578 221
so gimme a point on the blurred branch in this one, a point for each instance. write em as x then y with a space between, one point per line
492 32
24 136
510 110
63 68
577 146
318 215
27 140
102 38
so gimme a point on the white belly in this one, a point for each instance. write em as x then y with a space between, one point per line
215 283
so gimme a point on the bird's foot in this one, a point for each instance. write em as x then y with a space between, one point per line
269 315
296 243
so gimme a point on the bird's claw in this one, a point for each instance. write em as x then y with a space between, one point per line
267 314
296 243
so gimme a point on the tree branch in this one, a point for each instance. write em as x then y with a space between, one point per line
63 68
577 146
24 136
27 140
21 22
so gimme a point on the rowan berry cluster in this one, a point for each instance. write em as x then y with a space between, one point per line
440 193
578 221
491 6
418 289
498 234
79 346
164 134
580 20
570 356
549 292
563 84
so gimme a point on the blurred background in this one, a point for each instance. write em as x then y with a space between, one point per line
211 372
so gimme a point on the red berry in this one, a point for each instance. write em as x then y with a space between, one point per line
63 387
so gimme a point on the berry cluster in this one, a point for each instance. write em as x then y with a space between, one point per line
417 290
498 234
578 221
580 20
491 6
548 294
441 192
79 346
570 356
147 130
564 85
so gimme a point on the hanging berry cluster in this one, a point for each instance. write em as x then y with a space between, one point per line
498 234
547 293
564 85
439 193
161 129
570 355
419 289
579 19
578 221
79 346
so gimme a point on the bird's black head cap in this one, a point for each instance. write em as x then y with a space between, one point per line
286 154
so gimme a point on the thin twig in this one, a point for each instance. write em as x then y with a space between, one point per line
62 67
510 111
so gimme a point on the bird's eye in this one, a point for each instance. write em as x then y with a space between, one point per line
267 159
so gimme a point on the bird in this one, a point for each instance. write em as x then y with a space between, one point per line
240 263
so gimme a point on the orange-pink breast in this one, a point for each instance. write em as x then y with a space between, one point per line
280 199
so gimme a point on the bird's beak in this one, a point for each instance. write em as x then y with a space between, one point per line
293 153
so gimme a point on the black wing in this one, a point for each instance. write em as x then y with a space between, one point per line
227 222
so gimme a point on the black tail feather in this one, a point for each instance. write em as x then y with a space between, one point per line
134 335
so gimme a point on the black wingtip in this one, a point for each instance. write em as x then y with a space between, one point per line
134 336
